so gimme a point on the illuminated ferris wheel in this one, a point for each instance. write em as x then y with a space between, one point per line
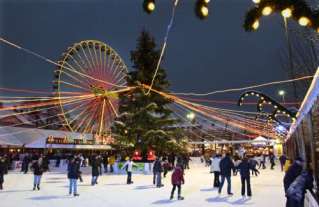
90 75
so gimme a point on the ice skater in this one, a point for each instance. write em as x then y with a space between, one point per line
129 168
226 166
73 175
2 171
37 168
157 170
177 181
244 168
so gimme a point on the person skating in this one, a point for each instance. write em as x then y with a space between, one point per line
293 172
253 163
166 166
37 168
157 170
177 181
105 162
282 160
244 169
129 168
272 161
2 171
95 170
226 165
73 175
25 163
216 170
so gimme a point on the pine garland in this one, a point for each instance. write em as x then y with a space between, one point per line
299 9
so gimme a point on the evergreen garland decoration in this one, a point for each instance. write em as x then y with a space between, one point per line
299 10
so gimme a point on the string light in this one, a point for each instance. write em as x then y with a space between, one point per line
149 6
304 21
286 13
256 1
266 11
201 9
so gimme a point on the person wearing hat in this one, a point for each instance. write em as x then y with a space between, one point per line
2 171
293 172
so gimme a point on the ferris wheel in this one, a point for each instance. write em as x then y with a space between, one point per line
91 74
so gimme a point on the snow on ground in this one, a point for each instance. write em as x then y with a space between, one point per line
112 191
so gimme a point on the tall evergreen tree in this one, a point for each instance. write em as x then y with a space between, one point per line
145 120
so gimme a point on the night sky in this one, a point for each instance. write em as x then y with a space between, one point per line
201 55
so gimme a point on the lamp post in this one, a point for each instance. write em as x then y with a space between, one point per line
282 93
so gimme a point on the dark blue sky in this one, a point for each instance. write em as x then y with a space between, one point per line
201 55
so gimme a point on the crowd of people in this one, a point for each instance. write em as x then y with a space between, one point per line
298 177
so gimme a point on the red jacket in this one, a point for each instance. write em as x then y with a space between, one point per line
178 176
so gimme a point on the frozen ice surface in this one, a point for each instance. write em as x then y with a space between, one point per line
112 191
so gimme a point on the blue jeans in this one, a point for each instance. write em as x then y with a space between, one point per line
158 179
73 185
94 180
223 177
37 180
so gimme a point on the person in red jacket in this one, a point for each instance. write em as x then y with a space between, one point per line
177 181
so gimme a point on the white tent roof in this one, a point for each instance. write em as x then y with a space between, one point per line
31 137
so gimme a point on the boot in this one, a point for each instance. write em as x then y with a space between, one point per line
1 186
38 186
180 198
171 198
34 187
76 194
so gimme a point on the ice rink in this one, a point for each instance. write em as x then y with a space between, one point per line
114 192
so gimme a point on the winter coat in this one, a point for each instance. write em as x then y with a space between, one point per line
95 168
298 187
128 165
215 164
73 170
293 172
244 168
2 169
157 166
253 163
178 176
37 168
226 165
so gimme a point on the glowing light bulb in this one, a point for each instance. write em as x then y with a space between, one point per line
303 21
255 25
286 13
266 11
256 1
204 11
151 6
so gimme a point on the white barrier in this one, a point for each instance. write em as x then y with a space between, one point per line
310 201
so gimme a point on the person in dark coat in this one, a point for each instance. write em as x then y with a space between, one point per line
282 160
272 161
157 170
296 192
25 163
105 162
244 168
37 169
95 170
226 166
73 175
177 181
253 163
2 171
293 172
